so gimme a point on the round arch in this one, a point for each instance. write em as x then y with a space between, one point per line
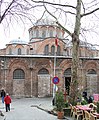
91 71
43 71
67 79
67 72
43 82
91 82
18 74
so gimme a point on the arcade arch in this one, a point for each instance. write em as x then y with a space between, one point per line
91 82
67 79
43 83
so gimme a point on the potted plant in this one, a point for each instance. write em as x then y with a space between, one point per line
59 103
67 109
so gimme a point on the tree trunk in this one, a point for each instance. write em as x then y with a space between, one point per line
75 61
75 54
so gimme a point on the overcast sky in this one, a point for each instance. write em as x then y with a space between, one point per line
12 34
17 30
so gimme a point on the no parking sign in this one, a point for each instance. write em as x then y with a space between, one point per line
55 80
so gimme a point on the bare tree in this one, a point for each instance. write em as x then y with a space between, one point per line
78 11
12 11
70 15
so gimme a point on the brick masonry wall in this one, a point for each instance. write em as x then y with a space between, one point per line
40 86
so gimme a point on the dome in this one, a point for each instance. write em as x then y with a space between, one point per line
45 22
17 41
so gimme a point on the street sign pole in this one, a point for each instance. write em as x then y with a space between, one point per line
54 86
55 81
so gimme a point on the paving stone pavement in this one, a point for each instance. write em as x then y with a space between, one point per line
42 103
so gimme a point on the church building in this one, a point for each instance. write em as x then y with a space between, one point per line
27 69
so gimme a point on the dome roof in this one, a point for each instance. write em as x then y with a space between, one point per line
17 41
45 22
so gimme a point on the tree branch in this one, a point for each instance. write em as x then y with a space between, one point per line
53 4
90 12
68 32
41 16
83 6
4 14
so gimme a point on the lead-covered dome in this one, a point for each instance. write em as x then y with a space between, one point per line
45 22
45 28
17 41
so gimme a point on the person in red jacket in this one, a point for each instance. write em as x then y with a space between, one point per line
7 101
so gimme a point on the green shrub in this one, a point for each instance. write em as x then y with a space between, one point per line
84 102
66 104
59 101
97 107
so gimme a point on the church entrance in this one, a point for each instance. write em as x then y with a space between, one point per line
67 80
67 84
18 83
92 82
43 83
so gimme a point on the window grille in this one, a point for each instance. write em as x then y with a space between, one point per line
46 50
91 71
52 50
67 72
43 71
18 74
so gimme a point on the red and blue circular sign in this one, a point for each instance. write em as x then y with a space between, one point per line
55 80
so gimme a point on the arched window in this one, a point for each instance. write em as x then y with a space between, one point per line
58 50
37 33
18 74
10 51
52 50
58 32
43 33
51 33
19 51
67 52
67 72
43 71
91 71
46 50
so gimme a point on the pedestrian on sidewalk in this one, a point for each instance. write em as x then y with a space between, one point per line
3 94
7 101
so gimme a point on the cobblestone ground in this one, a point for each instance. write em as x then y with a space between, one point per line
28 109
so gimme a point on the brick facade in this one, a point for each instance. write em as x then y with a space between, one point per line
36 56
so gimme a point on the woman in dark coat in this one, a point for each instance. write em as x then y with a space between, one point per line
3 95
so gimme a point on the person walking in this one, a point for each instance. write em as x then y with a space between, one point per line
3 94
7 101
